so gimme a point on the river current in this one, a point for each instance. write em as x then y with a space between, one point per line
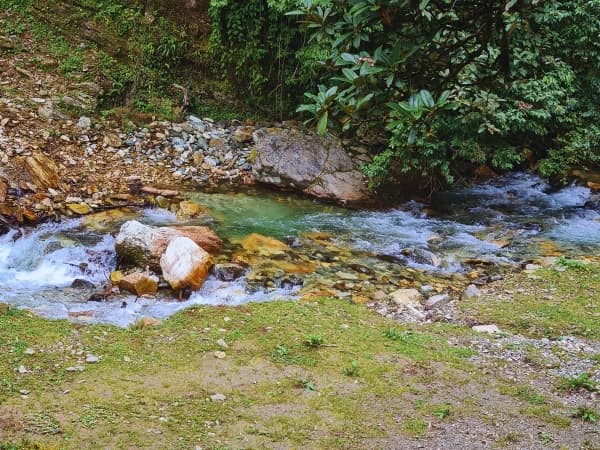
504 221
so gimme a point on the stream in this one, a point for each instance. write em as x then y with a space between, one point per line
499 224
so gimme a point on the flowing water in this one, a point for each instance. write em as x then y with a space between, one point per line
502 222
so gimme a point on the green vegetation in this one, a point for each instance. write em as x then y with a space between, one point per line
443 83
161 378
586 414
564 303
352 371
583 381
442 87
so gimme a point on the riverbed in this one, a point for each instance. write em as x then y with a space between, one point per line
485 229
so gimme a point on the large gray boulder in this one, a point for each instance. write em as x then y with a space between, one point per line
318 166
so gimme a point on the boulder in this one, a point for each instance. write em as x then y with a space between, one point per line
139 283
43 171
203 236
142 245
317 166
185 265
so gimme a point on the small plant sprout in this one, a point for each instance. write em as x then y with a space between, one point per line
314 341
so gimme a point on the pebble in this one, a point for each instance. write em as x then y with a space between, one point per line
220 355
221 343
74 369
91 359
217 398
22 369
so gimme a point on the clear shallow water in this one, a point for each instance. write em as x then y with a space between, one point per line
37 268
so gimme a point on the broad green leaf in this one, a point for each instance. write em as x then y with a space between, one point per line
322 125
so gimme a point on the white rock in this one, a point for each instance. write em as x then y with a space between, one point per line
91 359
184 264
217 398
491 329
221 343
471 291
220 355
22 369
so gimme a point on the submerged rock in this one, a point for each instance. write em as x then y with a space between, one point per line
190 210
264 245
229 272
309 163
142 245
82 284
184 264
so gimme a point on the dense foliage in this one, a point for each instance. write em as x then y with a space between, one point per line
441 82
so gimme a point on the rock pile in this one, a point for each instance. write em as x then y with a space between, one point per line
181 255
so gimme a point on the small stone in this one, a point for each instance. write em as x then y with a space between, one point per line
379 296
116 276
75 369
404 297
113 140
437 301
24 392
347 276
532 267
228 272
91 359
243 134
217 398
79 283
139 284
79 208
471 291
22 369
29 351
491 329
126 359
221 343
220 355
146 322
84 123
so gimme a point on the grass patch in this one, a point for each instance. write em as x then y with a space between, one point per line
555 305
